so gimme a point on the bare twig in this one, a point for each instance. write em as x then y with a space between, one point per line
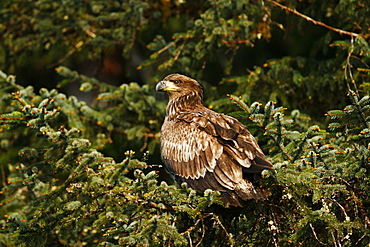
68 54
348 68
314 21
217 220
346 217
188 232
167 46
190 241
335 241
360 239
314 234
203 234
275 229
179 52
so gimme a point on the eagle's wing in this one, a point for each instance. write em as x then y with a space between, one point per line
211 150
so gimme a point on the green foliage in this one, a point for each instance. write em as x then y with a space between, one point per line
323 176
137 115
224 25
63 184
67 179
70 185
65 27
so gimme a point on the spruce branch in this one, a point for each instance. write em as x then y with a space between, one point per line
57 173
239 102
360 114
282 149
318 153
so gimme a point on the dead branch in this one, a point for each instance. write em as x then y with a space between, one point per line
307 18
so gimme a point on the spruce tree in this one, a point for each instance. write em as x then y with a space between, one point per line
77 173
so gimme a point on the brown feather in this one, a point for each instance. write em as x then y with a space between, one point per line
208 150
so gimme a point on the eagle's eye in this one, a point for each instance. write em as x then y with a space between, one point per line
176 81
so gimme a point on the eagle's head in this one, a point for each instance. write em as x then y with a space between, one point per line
185 94
177 85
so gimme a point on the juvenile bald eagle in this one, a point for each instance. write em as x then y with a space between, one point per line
208 150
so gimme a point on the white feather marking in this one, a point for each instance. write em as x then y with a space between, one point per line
185 151
217 150
213 164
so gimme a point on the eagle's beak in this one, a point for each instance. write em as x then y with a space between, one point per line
166 86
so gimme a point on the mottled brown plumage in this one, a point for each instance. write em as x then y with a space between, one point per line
208 150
